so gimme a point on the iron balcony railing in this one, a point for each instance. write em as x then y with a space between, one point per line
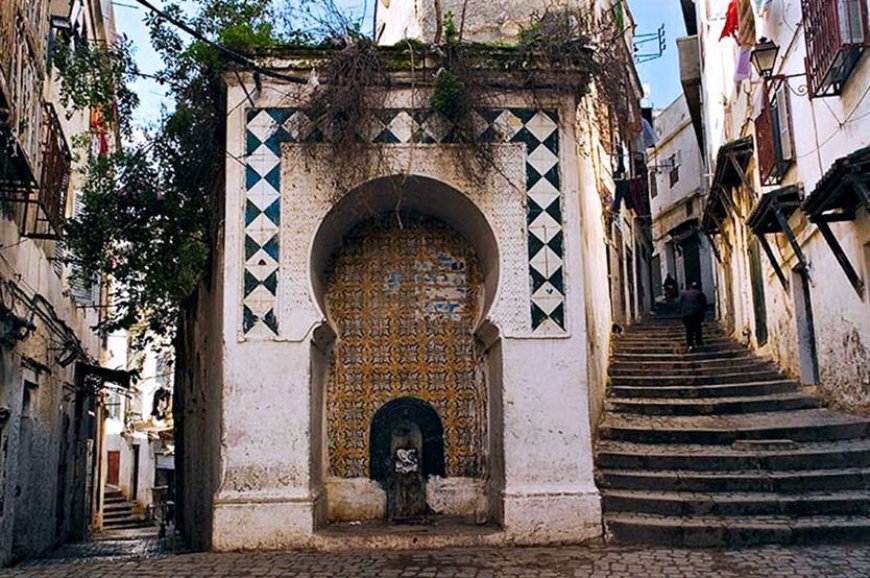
837 34
54 177
35 160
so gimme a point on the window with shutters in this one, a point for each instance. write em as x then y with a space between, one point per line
674 163
837 33
773 135
653 184
86 294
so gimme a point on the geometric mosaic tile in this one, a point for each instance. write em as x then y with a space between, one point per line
268 128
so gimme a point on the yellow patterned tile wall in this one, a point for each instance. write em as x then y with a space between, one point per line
405 300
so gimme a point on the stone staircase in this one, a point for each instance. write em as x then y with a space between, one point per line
120 514
717 447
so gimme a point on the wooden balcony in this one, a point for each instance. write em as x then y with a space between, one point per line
765 145
837 34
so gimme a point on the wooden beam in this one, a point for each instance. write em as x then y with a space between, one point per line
772 258
863 192
835 246
795 246
742 174
714 247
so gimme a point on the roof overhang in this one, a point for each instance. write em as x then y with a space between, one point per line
766 216
119 377
844 188
731 162
685 229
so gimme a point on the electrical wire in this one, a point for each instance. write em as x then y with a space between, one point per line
231 54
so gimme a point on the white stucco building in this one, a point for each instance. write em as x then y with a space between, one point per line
788 202
49 353
677 198
460 315
138 451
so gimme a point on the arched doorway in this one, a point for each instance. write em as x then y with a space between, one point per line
405 292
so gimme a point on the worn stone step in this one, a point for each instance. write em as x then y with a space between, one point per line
713 405
787 481
737 504
645 339
653 366
739 365
716 531
677 348
678 356
126 525
807 456
120 513
758 388
804 425
721 378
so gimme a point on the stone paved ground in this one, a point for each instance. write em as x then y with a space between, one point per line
147 559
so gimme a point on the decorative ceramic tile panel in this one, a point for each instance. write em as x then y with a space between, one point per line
404 301
268 128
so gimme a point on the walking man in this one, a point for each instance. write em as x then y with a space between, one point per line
693 304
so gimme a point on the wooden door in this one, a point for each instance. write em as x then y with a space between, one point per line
114 473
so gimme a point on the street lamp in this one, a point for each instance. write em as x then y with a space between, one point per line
764 57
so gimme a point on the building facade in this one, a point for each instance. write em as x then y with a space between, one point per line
139 443
677 198
423 339
50 375
788 203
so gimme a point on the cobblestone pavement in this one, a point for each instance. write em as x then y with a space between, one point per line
102 561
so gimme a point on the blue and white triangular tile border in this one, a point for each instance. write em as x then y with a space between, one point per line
268 128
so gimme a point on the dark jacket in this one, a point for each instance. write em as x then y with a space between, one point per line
693 303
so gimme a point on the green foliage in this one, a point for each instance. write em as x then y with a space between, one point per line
451 31
450 95
151 211
94 76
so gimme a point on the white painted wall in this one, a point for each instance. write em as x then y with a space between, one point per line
676 139
271 491
825 129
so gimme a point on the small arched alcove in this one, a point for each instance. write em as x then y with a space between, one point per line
385 423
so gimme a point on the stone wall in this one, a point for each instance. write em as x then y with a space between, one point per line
198 397
36 470
485 20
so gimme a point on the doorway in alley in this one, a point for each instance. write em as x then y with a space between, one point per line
806 334
758 304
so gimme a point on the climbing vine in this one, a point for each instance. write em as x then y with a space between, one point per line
152 209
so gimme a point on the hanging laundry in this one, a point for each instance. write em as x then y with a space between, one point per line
623 193
743 70
639 196
762 7
99 133
745 23
764 10
731 21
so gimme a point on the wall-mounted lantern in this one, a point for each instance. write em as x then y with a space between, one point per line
764 58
